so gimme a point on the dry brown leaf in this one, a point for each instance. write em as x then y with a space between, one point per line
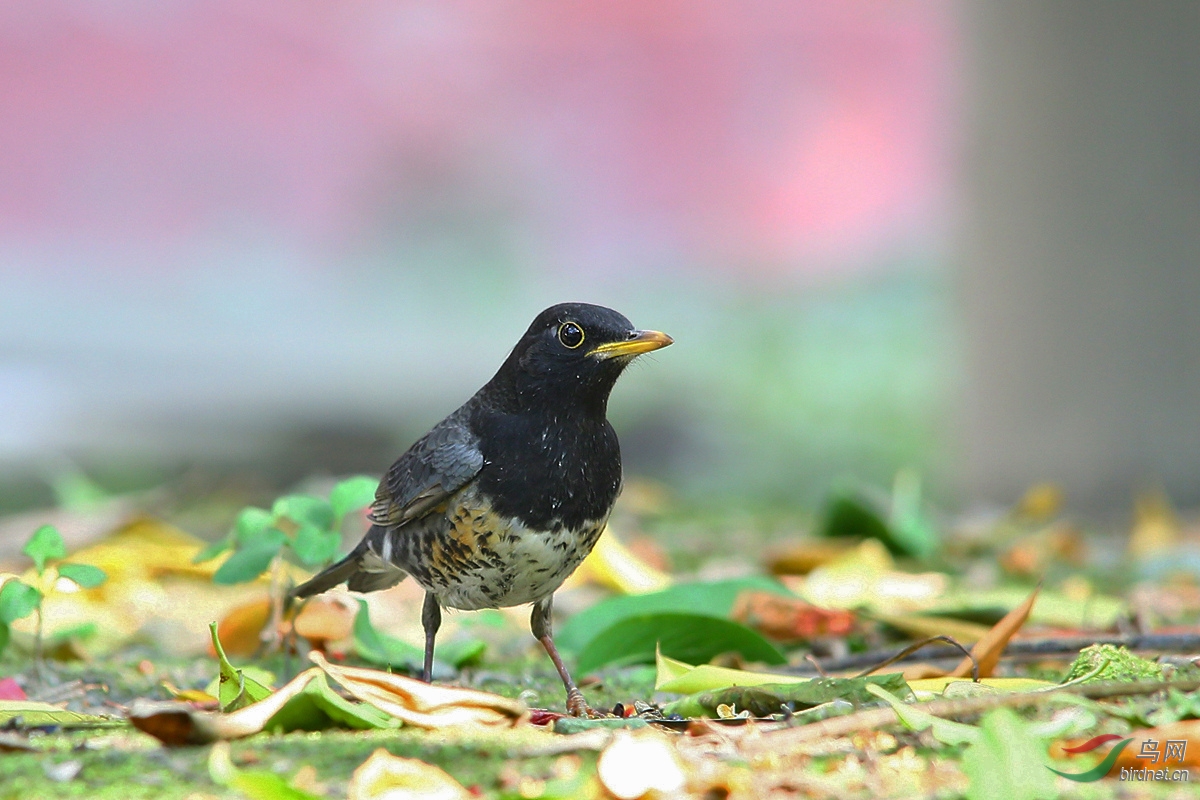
423 704
179 723
384 776
987 651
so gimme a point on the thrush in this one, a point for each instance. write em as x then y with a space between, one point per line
502 500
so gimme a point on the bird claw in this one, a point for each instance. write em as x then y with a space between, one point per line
578 707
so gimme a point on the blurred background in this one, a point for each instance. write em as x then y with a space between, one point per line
281 239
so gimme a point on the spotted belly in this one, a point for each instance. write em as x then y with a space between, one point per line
471 557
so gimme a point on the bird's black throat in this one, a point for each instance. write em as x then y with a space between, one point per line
549 469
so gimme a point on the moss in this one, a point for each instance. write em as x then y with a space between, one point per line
130 765
1113 664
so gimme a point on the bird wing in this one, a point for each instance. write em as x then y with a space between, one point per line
440 463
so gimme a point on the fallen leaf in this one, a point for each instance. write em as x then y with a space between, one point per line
614 566
682 678
866 577
235 689
241 628
324 620
636 764
803 556
1006 761
987 651
384 776
711 598
773 698
35 715
304 703
944 730
254 784
696 637
928 688
789 619
422 704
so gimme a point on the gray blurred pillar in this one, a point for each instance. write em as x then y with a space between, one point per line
1080 260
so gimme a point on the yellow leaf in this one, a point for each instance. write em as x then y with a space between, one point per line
612 565
384 776
676 676
929 688
866 577
423 704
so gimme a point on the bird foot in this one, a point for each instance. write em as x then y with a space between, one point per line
577 706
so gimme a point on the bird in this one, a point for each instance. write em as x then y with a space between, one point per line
500 501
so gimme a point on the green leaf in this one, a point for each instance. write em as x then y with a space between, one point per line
318 707
774 698
1008 761
680 678
5 635
352 494
694 638
35 715
1052 608
234 689
251 560
848 514
45 544
461 652
388 651
315 546
17 601
305 509
250 524
213 550
944 730
87 576
714 599
253 784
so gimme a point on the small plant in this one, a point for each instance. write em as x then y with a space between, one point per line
301 528
18 599
306 527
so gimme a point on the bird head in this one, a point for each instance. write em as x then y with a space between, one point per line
570 357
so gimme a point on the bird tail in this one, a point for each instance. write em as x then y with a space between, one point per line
362 570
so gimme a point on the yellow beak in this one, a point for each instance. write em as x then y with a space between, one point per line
642 342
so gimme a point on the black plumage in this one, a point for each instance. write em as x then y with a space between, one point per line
500 501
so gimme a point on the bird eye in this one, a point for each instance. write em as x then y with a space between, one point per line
570 335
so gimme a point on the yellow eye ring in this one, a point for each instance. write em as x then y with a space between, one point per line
570 335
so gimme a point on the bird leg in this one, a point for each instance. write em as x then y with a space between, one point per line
431 620
539 623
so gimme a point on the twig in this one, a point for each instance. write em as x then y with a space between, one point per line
1024 649
959 707
912 648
